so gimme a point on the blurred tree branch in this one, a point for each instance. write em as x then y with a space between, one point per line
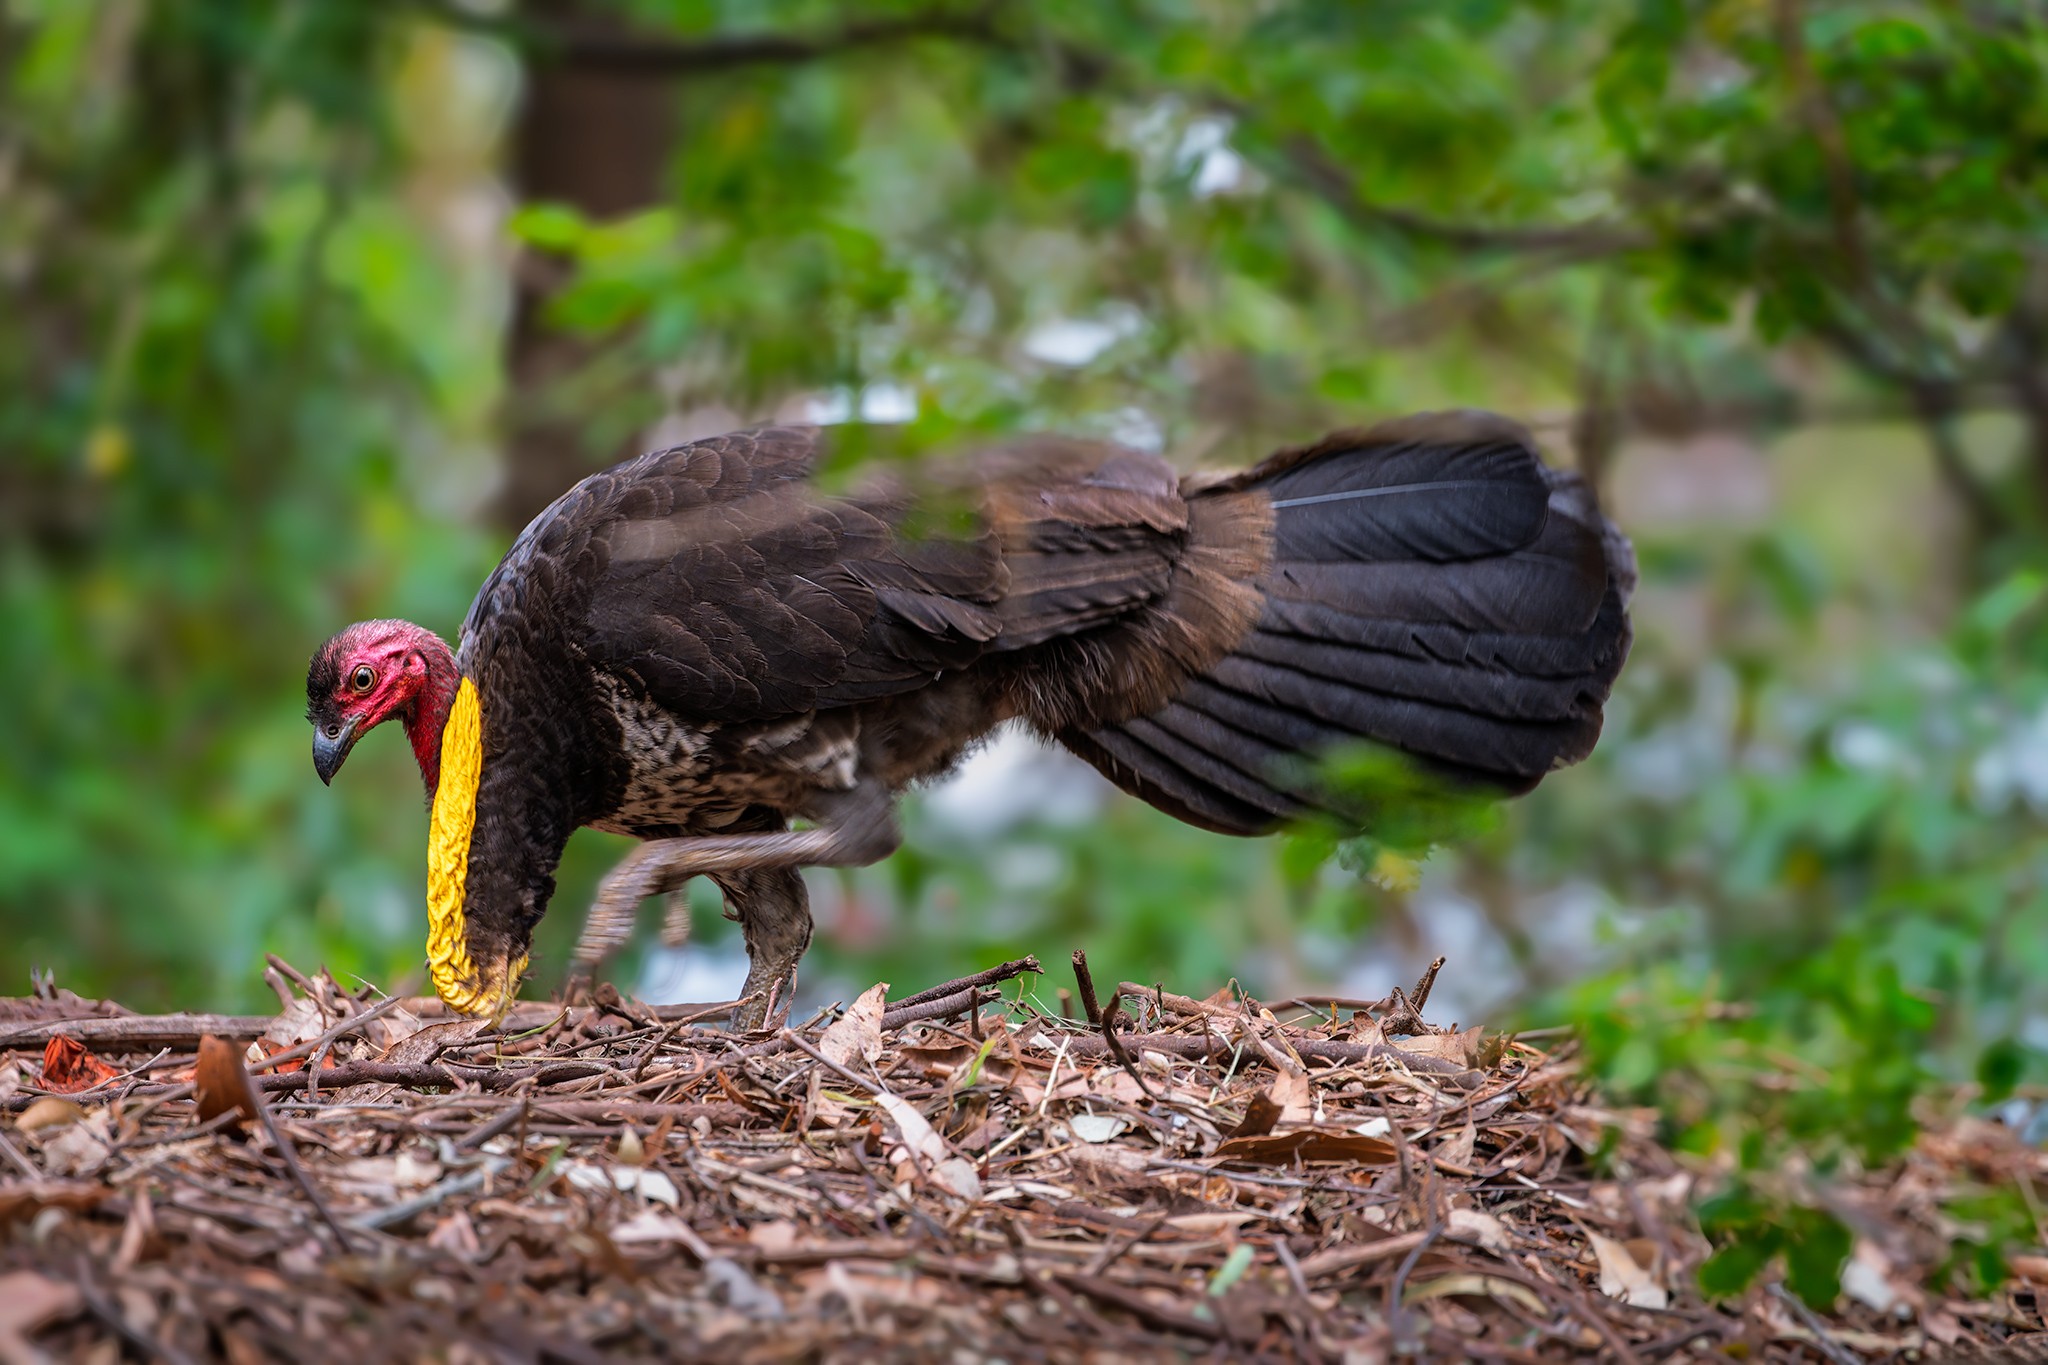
1310 166
2026 344
1928 371
614 50
602 145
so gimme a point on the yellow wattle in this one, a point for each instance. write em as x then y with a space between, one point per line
455 975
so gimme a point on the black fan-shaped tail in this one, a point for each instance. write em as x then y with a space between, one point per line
1433 588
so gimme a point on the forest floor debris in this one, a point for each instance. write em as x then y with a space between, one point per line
959 1175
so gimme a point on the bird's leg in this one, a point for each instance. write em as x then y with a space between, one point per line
675 920
608 925
857 828
774 910
604 934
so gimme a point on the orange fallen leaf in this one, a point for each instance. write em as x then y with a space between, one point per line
69 1066
220 1082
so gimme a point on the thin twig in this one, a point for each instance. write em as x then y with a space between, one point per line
14 1154
1116 1047
1207 1047
999 973
969 1000
1086 983
290 1154
1823 1341
116 1321
407 1209
1112 1252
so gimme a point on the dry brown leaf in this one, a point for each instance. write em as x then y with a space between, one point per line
24 1200
858 1032
778 1234
382 1178
1622 1277
48 1112
220 1083
1307 1145
854 1035
1206 1224
1461 1048
1457 1149
1941 1326
863 1285
654 1226
78 1149
934 1157
1111 1082
455 1235
391 1028
139 1238
1479 1228
300 1021
239 1348
939 1060
1478 1285
2031 1268
1867 1277
29 1302
1291 1092
424 1044
1260 1117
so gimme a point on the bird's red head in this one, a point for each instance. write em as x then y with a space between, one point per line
371 672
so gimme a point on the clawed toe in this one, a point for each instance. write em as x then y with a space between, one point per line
765 1005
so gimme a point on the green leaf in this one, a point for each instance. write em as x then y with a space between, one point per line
1999 1068
1998 610
1733 1268
1815 1251
1231 1271
552 227
973 1072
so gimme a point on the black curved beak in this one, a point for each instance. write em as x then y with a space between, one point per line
330 750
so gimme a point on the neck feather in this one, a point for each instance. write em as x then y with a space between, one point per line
428 714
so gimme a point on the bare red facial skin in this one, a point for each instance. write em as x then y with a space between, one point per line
371 672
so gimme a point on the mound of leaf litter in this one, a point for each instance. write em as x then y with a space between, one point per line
958 1175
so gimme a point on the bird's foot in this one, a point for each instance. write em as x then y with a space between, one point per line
765 1000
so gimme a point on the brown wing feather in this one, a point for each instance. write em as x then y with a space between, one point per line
718 581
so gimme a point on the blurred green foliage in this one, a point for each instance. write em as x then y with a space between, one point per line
258 262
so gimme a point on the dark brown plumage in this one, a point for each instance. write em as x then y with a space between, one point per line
698 647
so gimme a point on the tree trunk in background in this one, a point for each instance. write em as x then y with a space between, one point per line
597 140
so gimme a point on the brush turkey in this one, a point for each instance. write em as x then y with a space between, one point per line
701 648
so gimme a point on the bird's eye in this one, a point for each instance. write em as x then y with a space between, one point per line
363 678
334 732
